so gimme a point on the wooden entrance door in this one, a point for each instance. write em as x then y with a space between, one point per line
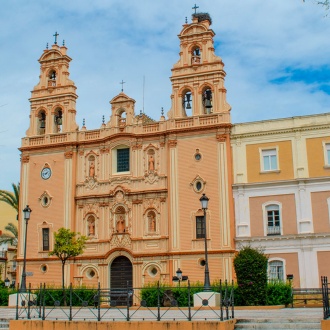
121 278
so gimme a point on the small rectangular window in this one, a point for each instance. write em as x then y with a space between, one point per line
327 151
45 239
123 160
269 160
200 227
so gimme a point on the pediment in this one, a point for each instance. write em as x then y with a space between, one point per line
51 54
193 29
121 98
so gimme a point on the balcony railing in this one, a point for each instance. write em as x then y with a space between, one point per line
273 230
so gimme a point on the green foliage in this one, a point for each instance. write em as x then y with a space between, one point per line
11 237
251 271
10 198
67 244
4 295
279 293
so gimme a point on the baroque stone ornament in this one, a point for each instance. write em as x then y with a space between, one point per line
121 241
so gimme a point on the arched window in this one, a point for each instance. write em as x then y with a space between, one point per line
122 119
42 122
187 103
58 120
276 270
273 220
207 100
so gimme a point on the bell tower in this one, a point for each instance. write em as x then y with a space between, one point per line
53 99
198 77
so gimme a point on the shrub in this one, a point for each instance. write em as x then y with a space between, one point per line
279 293
251 271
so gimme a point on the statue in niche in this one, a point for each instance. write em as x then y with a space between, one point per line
120 225
151 163
91 228
91 170
152 222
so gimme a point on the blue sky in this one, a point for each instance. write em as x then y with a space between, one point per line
276 55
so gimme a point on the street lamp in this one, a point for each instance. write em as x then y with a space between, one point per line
179 278
207 287
27 212
7 282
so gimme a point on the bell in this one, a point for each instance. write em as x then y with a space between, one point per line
188 106
58 120
208 103
42 123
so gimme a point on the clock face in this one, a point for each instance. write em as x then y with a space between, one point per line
46 173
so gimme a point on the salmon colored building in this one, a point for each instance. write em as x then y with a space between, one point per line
133 185
282 194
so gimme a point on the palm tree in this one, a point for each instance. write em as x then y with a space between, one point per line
11 238
11 198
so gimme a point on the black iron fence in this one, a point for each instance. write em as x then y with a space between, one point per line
151 303
325 297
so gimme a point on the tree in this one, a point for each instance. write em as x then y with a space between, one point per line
11 198
11 238
68 244
251 272
325 3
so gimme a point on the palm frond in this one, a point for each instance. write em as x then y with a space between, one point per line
10 198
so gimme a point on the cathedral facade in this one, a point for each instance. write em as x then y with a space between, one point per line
133 185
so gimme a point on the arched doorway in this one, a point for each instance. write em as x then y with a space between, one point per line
121 278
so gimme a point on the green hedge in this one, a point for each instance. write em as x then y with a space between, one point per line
275 294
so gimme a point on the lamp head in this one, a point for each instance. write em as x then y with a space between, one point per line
27 212
204 202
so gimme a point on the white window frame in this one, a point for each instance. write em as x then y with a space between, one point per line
265 216
272 151
283 265
114 159
326 153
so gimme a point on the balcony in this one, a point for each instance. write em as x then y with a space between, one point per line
273 230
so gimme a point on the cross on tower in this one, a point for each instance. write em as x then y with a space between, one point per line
55 35
195 7
122 85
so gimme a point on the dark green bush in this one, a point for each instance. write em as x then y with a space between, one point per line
278 293
251 271
4 295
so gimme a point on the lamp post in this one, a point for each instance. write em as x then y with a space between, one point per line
179 277
7 282
207 286
27 212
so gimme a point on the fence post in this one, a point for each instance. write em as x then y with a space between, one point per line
158 302
189 302
44 303
232 299
17 296
127 297
29 302
226 290
221 302
40 297
98 302
70 315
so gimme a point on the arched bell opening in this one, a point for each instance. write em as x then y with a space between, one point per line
196 55
41 122
207 101
122 118
58 120
187 103
52 78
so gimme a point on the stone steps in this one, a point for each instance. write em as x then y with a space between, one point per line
278 323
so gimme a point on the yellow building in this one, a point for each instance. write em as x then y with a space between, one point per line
133 185
282 194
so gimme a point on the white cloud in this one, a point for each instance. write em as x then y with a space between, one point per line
114 40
